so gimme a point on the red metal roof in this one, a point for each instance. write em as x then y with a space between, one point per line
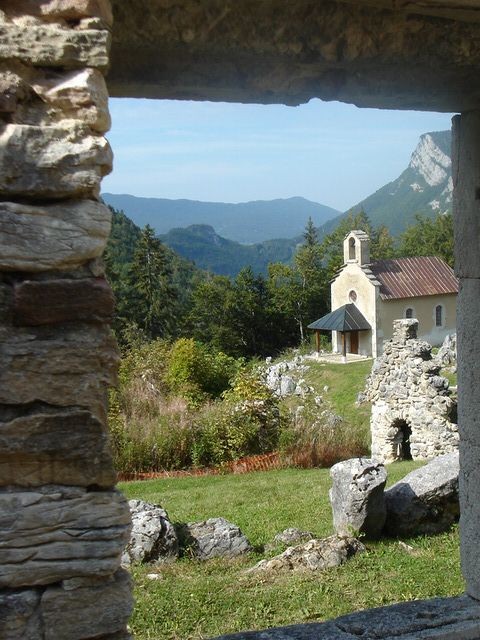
412 277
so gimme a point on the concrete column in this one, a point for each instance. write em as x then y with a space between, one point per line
466 208
62 523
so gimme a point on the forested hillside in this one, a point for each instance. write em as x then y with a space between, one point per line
162 295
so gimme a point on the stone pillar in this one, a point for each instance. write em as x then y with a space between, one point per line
62 523
466 207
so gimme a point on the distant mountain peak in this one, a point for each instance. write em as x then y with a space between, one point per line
430 162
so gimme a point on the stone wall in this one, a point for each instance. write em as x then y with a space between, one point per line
62 523
412 409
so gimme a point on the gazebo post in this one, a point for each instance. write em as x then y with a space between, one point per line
344 347
317 340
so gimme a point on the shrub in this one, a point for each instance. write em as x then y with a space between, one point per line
198 373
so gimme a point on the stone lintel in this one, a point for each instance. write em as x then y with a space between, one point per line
437 619
57 301
290 52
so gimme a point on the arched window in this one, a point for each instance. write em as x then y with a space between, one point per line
351 249
438 315
409 312
352 296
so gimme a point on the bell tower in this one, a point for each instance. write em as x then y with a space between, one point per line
356 247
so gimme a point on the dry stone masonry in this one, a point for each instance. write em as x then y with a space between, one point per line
62 523
412 409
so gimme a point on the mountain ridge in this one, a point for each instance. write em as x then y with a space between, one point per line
245 222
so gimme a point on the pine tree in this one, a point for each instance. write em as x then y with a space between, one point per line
151 278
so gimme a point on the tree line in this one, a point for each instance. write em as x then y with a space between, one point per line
161 295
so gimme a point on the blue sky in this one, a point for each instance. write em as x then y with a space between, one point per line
328 152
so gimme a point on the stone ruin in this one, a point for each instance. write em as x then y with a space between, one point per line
413 414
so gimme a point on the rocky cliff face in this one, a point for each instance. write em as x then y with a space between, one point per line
424 187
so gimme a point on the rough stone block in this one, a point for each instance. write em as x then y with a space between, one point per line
314 555
54 301
468 348
357 497
52 162
426 500
59 236
48 45
469 485
153 537
65 9
20 615
76 95
436 619
88 612
48 445
54 533
466 193
71 367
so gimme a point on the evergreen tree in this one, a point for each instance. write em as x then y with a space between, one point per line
151 279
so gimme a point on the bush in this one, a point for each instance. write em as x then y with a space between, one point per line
196 372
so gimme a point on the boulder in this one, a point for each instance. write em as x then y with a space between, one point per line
293 535
426 500
213 538
314 555
357 497
153 536
447 354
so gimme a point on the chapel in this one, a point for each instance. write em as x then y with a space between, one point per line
367 297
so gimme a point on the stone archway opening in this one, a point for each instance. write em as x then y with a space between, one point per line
402 440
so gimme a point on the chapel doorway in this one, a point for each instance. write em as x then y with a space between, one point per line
354 342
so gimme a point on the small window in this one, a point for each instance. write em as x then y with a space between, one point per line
351 249
409 313
438 315
352 296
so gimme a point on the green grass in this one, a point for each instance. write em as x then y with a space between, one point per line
345 381
200 600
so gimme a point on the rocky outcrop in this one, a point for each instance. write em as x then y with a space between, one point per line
284 378
315 555
447 354
213 538
411 403
357 497
62 525
426 500
153 537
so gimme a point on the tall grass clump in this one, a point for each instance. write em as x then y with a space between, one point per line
317 437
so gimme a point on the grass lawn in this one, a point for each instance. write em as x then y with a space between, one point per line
194 600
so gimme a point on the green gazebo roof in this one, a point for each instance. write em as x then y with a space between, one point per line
346 318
